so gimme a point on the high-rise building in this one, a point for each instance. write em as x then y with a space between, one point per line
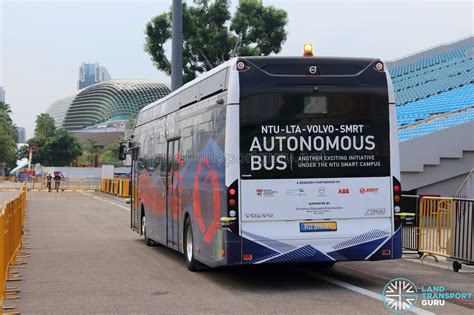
21 134
2 94
91 73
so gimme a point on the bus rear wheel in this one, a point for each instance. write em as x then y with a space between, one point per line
148 241
191 263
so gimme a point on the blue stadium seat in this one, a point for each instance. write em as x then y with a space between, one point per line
432 85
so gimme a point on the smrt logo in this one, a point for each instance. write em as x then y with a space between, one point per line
343 191
368 190
400 295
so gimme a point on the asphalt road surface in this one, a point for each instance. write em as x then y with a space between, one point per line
85 259
7 195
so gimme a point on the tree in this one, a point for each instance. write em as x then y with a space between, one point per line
45 126
131 121
56 147
110 153
92 150
61 149
211 35
8 137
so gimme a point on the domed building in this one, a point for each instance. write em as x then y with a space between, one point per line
110 101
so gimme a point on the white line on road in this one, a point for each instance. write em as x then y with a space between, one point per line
362 291
108 201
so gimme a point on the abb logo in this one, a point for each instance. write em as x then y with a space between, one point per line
368 190
343 191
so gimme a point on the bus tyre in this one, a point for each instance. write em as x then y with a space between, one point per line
148 241
191 263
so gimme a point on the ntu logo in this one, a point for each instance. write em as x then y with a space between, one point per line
400 295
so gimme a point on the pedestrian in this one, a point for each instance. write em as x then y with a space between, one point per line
49 178
57 181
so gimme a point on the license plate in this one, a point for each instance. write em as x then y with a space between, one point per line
318 226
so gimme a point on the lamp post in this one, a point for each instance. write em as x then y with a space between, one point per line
177 46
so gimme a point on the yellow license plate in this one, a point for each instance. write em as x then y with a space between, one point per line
318 226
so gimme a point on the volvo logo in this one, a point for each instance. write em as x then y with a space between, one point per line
313 69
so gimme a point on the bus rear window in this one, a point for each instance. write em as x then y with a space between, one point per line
314 135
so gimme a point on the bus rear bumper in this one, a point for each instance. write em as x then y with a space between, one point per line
356 249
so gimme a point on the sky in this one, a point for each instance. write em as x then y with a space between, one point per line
43 42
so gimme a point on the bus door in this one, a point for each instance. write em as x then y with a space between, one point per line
172 194
135 213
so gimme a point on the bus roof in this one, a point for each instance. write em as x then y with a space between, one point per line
285 65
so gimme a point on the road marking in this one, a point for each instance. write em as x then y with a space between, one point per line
108 201
362 291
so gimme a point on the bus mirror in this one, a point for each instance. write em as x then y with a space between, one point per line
122 152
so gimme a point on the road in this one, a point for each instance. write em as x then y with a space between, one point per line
85 259
7 195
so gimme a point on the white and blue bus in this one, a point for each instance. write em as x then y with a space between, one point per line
271 160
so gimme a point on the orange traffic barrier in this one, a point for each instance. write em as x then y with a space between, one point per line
12 218
118 187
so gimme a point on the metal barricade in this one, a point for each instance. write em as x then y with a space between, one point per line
436 227
410 215
446 229
463 251
12 219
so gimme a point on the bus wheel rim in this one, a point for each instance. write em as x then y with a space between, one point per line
189 244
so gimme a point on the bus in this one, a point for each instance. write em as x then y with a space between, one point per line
271 160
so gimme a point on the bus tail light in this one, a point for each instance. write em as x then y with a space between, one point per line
397 200
233 207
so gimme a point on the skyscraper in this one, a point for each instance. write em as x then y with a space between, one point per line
91 73
21 134
2 94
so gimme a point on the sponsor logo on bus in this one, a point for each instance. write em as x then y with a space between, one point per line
295 192
322 191
266 192
375 211
343 191
368 190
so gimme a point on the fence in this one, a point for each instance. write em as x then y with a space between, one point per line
442 227
410 205
116 186
64 185
12 218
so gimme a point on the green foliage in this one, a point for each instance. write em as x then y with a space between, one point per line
45 126
110 154
8 137
131 122
211 35
55 147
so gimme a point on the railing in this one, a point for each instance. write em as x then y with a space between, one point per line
467 187
64 185
12 218
410 205
440 226
116 186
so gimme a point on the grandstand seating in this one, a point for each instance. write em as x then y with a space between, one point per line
436 124
441 103
436 81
